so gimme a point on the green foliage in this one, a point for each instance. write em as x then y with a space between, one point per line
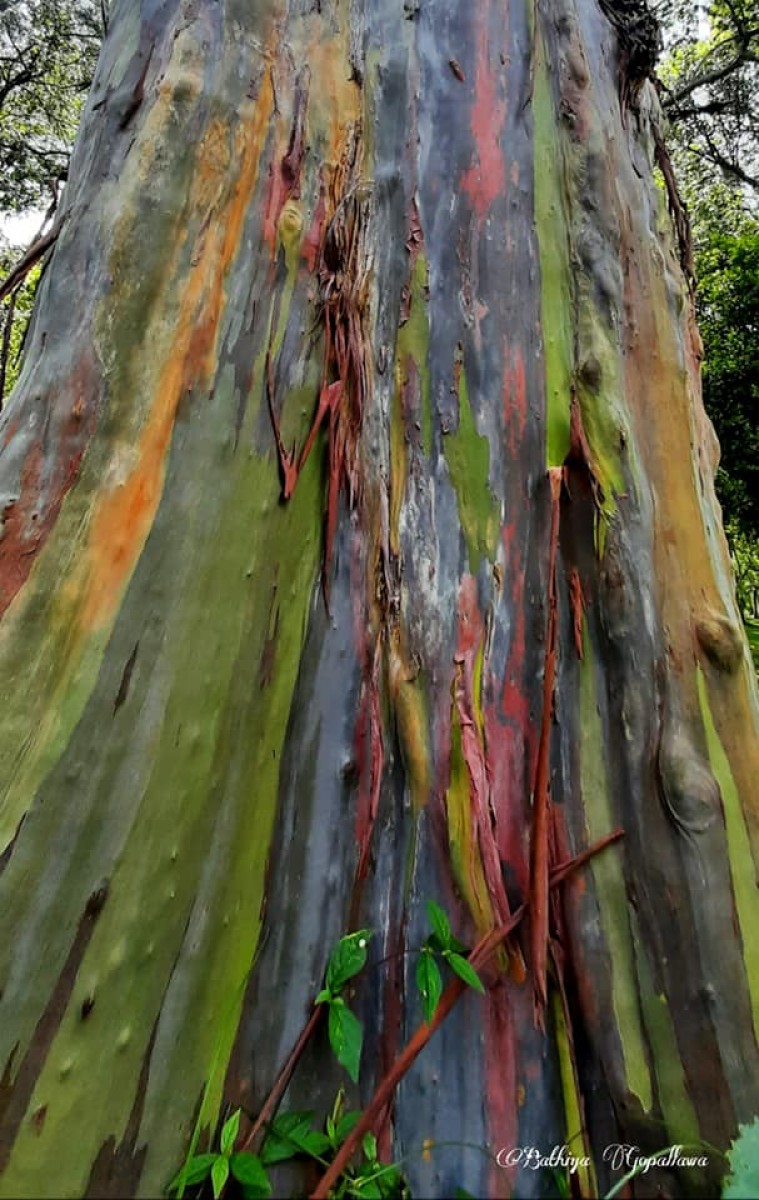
48 50
294 1135
345 1032
728 310
441 944
346 960
345 1036
429 981
744 552
710 78
743 1157
246 1168
15 314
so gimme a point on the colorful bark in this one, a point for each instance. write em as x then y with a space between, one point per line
345 328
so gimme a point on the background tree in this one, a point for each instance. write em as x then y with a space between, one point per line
270 679
48 50
711 79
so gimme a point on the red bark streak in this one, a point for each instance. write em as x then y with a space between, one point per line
541 798
509 730
482 953
579 457
486 181
284 180
44 485
313 240
501 1079
392 1025
370 765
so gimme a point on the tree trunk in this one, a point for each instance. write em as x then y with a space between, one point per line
492 620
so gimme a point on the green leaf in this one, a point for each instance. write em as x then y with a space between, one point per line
323 997
561 1183
743 1157
229 1133
430 982
439 924
248 1170
345 1125
462 1194
346 960
195 1171
288 1136
465 971
367 1188
219 1175
369 1146
345 1038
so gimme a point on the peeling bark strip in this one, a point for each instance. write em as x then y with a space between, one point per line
541 797
343 274
402 262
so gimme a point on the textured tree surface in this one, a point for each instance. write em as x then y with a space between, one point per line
248 705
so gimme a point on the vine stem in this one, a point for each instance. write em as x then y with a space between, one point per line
482 952
279 1087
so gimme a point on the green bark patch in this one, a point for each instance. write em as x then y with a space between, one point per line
553 241
742 868
414 343
610 885
220 735
674 1101
467 454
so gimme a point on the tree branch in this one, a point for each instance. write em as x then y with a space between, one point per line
30 258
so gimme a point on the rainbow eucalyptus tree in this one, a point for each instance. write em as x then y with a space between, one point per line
360 548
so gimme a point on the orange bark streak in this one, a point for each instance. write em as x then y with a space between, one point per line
125 513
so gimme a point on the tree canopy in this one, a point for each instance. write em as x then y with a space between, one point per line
709 84
48 50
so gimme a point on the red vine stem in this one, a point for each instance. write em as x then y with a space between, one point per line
272 1101
483 951
542 800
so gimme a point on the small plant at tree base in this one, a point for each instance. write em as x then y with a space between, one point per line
349 1135
441 944
246 1168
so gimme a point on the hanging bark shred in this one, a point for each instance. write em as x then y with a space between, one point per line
638 39
541 800
677 209
343 274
